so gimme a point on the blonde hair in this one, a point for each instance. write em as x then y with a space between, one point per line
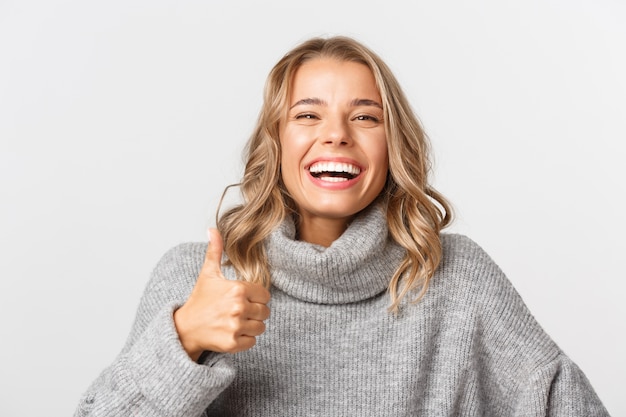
416 212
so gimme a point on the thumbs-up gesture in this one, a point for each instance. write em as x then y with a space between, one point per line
221 315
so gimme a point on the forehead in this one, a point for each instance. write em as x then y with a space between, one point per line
334 77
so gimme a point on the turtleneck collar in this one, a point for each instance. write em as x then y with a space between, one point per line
357 266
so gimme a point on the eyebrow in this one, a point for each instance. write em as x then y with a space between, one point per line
309 101
314 101
365 102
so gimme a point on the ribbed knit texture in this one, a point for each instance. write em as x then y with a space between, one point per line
468 348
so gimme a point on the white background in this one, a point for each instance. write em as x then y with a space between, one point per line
122 121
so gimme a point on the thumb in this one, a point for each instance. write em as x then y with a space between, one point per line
213 256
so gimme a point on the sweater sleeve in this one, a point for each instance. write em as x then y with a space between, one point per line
560 389
153 375
522 372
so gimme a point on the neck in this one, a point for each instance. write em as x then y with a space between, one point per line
321 231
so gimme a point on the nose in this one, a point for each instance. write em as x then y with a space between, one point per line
336 132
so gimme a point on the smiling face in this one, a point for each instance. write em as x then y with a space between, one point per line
334 148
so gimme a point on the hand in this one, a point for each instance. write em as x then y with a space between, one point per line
221 315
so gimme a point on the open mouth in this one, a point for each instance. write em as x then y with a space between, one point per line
334 171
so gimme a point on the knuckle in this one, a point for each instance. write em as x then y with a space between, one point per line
231 347
238 289
237 309
234 326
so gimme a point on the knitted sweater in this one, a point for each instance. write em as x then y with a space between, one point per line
470 347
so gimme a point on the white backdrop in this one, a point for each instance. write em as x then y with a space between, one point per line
122 121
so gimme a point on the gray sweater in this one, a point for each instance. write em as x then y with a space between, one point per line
470 347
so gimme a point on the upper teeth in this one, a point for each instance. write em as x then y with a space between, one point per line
319 167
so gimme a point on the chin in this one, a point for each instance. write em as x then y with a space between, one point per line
336 213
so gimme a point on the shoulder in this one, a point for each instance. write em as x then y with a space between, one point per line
470 281
464 258
459 247
178 268
184 254
469 275
170 283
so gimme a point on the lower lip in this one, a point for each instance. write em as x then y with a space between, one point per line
331 185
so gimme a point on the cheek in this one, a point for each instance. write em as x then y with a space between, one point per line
288 155
294 146
289 167
382 163
288 145
381 156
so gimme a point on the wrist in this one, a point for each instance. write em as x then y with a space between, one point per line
187 342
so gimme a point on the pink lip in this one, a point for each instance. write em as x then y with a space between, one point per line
343 185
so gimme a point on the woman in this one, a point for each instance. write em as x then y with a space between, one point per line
373 311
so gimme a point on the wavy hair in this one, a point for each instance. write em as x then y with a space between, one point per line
416 212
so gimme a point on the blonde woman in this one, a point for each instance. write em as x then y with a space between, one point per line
373 310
